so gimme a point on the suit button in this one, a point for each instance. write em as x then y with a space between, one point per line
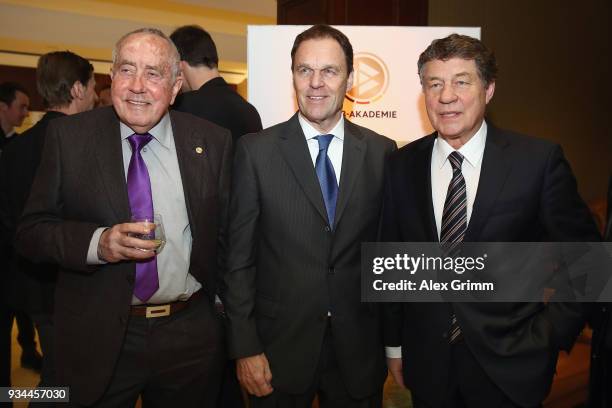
331 270
444 335
327 229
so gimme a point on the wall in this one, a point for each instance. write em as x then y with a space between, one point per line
554 79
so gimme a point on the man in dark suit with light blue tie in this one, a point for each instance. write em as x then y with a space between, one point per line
306 193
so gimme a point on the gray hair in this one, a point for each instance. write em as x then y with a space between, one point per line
175 57
464 47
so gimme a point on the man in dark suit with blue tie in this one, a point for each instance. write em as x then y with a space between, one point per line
306 193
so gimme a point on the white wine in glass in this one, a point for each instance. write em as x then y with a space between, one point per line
156 232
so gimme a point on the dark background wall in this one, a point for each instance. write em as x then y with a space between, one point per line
352 12
554 78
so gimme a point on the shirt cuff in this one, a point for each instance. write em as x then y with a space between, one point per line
393 352
92 252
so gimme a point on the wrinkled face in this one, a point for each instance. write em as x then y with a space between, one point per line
321 79
455 98
15 113
142 87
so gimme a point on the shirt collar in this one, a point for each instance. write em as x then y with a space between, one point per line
160 132
310 132
472 151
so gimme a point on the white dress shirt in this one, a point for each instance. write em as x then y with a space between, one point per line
442 171
441 175
334 151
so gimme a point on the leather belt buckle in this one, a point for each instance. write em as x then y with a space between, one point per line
157 311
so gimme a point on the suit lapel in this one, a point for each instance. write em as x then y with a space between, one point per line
493 173
353 151
421 177
194 164
294 148
109 158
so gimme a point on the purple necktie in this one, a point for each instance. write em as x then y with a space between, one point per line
141 204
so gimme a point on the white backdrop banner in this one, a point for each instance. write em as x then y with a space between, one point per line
386 95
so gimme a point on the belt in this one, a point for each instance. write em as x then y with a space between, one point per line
168 309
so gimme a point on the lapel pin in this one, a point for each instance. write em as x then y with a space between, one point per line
199 150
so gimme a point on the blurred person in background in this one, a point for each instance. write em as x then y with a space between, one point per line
66 83
14 105
104 98
205 92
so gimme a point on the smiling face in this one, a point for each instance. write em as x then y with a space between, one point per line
455 98
321 79
143 87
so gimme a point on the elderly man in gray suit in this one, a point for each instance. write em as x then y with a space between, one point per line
131 321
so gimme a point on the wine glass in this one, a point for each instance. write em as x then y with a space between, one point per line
155 229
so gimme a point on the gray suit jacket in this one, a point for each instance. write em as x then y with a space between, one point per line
80 186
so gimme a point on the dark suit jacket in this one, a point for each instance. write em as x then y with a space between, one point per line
32 286
288 268
218 102
80 186
526 193
4 141
5 238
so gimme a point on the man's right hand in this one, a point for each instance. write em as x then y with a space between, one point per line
254 374
117 245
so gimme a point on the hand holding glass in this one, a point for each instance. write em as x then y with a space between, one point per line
155 228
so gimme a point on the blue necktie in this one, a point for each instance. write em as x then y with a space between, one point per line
327 177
